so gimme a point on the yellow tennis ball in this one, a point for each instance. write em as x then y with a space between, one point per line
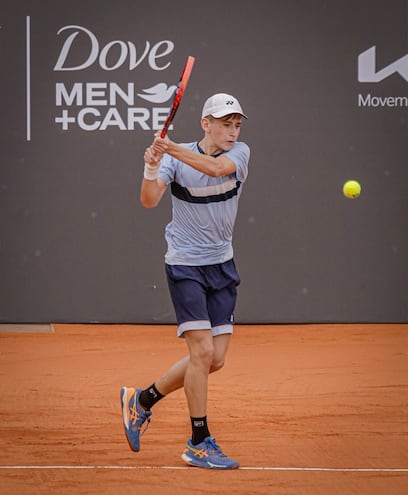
351 189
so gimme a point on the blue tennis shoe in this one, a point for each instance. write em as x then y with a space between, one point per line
134 416
207 454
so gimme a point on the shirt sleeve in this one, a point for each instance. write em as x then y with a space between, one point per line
167 169
240 154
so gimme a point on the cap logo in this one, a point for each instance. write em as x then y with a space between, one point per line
229 102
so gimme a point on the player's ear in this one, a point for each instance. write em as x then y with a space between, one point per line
205 124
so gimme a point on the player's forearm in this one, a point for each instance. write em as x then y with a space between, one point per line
203 163
151 192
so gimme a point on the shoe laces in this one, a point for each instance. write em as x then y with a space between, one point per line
213 447
138 416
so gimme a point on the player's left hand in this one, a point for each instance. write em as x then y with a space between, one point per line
152 157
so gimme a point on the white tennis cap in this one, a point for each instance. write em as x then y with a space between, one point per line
220 105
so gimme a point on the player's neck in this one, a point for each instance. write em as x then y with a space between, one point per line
209 148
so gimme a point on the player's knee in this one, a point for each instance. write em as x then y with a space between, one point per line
204 355
207 355
217 364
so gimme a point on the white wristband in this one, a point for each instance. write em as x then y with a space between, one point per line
151 172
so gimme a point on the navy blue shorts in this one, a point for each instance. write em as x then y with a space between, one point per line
204 297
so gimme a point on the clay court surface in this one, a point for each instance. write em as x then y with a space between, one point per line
306 409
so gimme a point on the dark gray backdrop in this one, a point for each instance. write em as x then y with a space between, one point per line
76 245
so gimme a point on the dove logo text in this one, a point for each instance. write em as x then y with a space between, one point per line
103 94
93 94
118 52
94 119
84 105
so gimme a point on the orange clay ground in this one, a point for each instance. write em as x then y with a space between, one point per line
290 398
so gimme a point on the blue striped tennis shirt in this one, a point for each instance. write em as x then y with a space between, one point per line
204 209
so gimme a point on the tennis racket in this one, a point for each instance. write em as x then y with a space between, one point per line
178 95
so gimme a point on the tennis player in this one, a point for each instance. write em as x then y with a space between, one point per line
205 180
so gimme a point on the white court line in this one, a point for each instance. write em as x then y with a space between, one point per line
243 468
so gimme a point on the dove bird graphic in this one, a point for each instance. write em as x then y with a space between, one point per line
158 93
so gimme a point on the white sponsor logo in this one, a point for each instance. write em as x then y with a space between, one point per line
127 52
382 101
101 105
369 73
